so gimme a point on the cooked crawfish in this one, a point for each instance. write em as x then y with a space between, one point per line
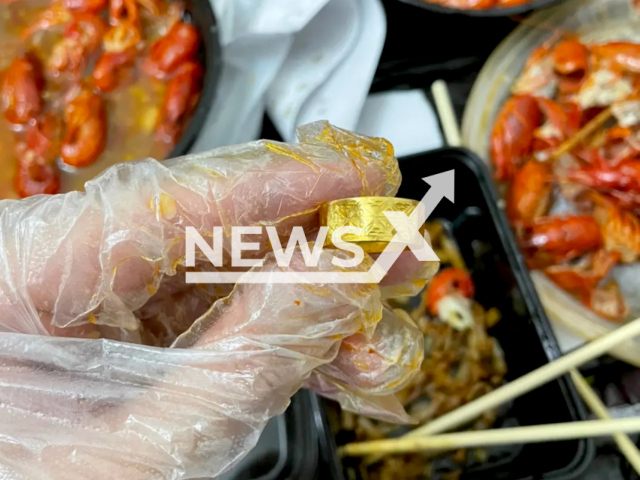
179 45
599 178
21 89
622 56
37 172
87 29
626 200
620 228
107 73
40 140
551 240
611 148
608 302
123 10
54 16
81 37
561 122
529 194
570 57
583 281
171 13
120 49
180 100
627 114
620 144
34 178
123 36
86 130
624 176
571 62
618 134
66 55
512 135
538 75
127 10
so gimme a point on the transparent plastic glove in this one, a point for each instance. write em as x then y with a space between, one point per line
369 370
107 264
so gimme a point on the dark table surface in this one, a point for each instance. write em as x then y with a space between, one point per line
421 47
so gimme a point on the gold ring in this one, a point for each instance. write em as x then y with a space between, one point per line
367 214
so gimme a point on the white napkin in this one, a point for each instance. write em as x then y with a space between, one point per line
405 118
306 59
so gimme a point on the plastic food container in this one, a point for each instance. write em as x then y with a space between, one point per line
288 448
501 278
592 21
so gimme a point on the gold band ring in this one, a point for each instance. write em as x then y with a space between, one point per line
367 214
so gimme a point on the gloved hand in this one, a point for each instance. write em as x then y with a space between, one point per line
92 289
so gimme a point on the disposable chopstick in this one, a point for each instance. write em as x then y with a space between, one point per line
528 382
626 446
591 126
447 116
499 436
452 136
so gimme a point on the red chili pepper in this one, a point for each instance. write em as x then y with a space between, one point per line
448 282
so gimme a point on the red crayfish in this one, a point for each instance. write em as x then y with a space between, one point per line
37 172
21 89
86 129
551 240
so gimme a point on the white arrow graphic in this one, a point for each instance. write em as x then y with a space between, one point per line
442 185
407 235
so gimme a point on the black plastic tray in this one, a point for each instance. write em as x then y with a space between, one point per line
502 280
287 449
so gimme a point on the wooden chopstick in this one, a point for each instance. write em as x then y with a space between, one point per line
530 381
447 116
526 383
499 436
626 446
590 127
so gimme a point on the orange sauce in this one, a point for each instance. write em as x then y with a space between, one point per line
133 108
